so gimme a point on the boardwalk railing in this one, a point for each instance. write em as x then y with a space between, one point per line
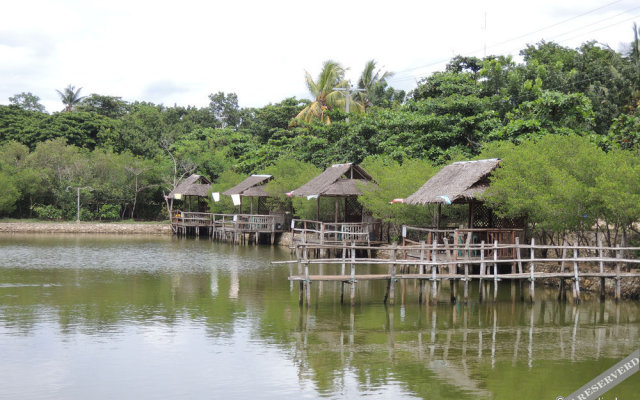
308 231
433 259
464 236
228 226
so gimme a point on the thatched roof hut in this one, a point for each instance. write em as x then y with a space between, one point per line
339 180
252 187
194 185
457 183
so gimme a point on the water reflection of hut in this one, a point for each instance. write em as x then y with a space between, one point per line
252 187
340 181
194 187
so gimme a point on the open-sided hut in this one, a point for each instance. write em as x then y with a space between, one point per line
460 183
194 187
253 186
340 181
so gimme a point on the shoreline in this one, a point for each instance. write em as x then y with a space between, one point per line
86 227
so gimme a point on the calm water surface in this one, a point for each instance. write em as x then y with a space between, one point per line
105 317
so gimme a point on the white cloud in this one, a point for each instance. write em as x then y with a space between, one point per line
179 52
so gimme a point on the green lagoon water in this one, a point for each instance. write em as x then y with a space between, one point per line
142 317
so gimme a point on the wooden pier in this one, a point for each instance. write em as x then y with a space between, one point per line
236 228
335 233
435 264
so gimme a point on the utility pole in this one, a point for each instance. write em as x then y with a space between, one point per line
78 199
347 93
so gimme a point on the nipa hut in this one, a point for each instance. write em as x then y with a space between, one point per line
251 187
340 181
194 187
459 183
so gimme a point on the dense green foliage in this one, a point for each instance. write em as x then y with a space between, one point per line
564 119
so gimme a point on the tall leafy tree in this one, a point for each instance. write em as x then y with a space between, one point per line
70 97
225 109
27 101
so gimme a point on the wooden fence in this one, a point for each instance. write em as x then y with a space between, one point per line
227 226
308 231
466 262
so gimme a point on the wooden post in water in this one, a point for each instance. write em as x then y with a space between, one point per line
519 257
576 277
562 295
342 271
307 281
449 253
466 283
421 271
298 257
602 283
495 271
618 293
392 273
482 265
532 284
434 282
353 273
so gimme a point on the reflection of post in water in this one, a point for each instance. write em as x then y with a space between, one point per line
234 289
390 331
214 282
432 346
531 337
516 346
493 338
576 317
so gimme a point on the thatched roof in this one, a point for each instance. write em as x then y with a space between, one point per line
460 182
194 185
339 180
253 186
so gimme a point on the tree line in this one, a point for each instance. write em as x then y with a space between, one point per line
131 152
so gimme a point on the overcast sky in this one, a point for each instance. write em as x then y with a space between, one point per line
178 52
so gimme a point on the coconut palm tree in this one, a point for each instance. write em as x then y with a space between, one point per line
325 95
70 97
369 79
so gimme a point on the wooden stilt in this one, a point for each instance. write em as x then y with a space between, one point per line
532 284
576 277
482 266
562 295
434 282
466 283
601 255
421 271
618 293
392 273
353 273
495 271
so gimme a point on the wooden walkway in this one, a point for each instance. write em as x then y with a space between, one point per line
335 233
468 262
237 228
